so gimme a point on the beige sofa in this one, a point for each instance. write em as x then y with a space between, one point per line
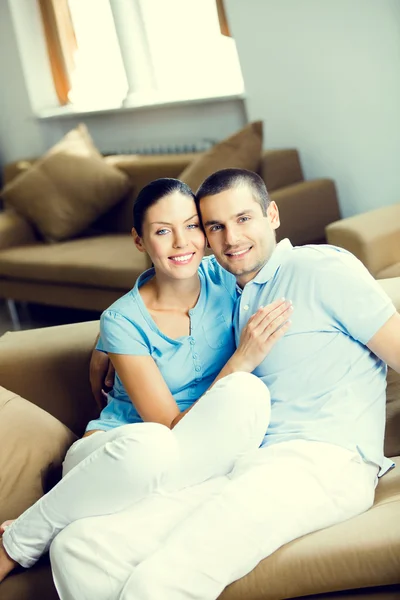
374 237
92 271
49 367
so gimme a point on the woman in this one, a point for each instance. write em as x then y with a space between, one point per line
171 342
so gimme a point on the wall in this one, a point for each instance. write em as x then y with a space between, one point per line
325 78
23 135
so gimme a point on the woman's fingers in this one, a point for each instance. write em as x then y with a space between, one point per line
269 318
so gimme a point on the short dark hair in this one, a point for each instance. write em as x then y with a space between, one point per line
225 179
152 193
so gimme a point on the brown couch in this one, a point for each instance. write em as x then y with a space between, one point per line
374 237
92 271
49 367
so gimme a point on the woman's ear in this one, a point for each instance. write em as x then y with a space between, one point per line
137 240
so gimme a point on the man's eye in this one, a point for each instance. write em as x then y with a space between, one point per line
215 228
161 231
242 219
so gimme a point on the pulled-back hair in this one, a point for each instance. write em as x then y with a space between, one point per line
152 193
227 179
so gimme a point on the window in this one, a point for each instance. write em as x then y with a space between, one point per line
131 52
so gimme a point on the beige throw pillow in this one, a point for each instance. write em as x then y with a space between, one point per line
241 150
32 447
68 188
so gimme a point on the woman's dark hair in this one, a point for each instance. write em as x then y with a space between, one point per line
152 193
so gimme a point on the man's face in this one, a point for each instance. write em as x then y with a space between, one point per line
240 236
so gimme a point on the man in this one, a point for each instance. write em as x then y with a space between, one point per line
323 451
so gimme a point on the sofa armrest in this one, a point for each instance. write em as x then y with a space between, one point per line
15 230
374 237
280 168
305 209
50 367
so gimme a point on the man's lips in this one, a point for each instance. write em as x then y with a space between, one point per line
238 254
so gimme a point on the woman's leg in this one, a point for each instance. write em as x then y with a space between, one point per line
126 465
134 460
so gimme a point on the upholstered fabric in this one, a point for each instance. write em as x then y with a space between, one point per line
241 150
68 188
392 271
107 261
33 446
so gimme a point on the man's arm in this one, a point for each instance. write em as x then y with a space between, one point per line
386 342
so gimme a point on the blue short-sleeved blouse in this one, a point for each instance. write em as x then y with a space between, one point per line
189 364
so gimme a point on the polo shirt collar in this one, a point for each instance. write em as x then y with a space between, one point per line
275 261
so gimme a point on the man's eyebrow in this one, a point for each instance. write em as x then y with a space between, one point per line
240 214
166 223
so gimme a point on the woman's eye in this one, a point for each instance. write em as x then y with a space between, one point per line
162 232
193 226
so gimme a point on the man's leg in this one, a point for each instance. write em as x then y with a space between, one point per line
284 492
93 557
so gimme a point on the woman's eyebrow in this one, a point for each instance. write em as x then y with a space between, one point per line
166 223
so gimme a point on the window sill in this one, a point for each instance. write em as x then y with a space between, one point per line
133 102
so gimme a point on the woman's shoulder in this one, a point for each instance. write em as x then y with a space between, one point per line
216 275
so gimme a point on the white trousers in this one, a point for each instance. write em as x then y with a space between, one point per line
108 472
193 542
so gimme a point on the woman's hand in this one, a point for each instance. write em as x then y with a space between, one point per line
261 333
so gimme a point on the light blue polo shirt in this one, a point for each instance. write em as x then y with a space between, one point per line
188 364
325 384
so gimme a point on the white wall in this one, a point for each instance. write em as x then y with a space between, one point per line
22 135
325 78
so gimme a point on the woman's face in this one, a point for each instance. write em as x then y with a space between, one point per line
172 236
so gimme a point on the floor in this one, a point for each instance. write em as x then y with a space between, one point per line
33 316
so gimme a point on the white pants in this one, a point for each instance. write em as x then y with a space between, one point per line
108 472
193 542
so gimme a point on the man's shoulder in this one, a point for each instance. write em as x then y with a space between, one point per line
312 257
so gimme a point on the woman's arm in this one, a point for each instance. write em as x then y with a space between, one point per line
146 388
261 333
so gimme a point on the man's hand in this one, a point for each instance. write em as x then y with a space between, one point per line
101 376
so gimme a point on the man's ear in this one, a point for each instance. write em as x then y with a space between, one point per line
137 240
273 215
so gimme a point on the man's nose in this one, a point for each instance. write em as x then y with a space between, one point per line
231 236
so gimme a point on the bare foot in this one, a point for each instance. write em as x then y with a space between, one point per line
7 564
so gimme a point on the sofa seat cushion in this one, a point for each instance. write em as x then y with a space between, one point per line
392 271
107 261
33 446
361 552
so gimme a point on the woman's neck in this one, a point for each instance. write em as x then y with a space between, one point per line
164 294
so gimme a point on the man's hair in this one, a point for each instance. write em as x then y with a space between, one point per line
227 179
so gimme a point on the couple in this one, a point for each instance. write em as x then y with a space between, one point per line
181 507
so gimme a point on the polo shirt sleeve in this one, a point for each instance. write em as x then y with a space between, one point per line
119 335
352 296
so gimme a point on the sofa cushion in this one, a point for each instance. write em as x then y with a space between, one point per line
241 150
392 271
33 446
107 261
361 552
68 188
